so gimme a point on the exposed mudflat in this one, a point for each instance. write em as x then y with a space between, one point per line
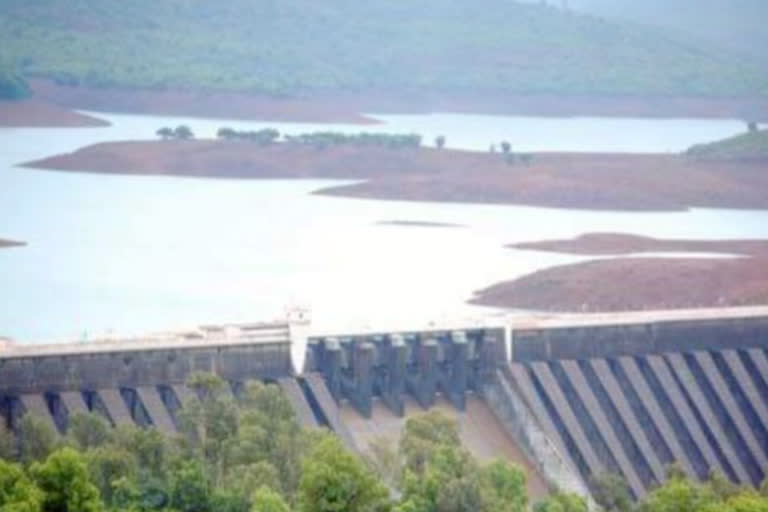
630 182
346 106
39 114
418 224
4 244
637 283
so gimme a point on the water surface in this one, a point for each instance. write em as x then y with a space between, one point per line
127 254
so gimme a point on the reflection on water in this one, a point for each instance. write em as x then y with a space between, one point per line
132 254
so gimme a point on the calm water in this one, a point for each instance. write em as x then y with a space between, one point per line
133 254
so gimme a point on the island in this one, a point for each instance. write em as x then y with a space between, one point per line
638 283
629 182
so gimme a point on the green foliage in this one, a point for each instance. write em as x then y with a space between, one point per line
263 137
108 464
190 490
12 86
335 480
423 435
561 502
753 144
292 46
7 443
440 141
63 477
612 493
323 140
504 487
37 438
17 492
267 500
88 430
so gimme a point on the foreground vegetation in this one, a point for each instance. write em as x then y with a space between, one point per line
290 46
753 144
251 455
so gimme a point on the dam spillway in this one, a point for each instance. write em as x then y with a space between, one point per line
568 397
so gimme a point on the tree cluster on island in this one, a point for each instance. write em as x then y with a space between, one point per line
330 139
181 132
250 455
262 137
509 156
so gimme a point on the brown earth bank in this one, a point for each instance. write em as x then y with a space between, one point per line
217 105
627 284
596 244
10 243
418 223
561 180
40 114
346 106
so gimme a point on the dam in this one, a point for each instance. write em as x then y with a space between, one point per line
567 397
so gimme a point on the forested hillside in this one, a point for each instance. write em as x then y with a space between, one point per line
288 46
737 24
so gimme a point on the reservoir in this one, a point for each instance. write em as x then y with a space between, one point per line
126 254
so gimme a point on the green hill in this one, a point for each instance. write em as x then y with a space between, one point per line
749 145
736 24
287 46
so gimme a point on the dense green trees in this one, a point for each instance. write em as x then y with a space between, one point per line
262 137
250 455
181 132
323 140
12 86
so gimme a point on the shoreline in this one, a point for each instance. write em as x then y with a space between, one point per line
348 106
636 283
37 114
590 181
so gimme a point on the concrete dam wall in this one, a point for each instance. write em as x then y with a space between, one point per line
567 397
633 395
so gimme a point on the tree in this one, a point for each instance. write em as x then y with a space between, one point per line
226 133
677 495
383 460
504 487
506 147
561 502
107 465
190 491
425 433
183 132
17 492
63 477
335 480
440 141
267 500
165 133
88 430
752 126
7 443
612 493
37 438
